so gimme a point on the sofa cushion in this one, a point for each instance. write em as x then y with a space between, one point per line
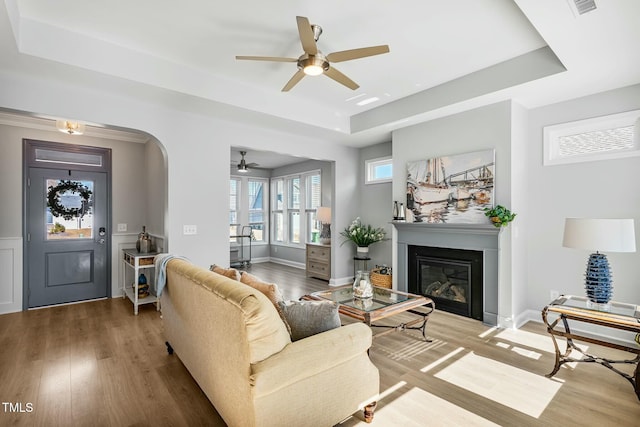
231 273
270 290
306 318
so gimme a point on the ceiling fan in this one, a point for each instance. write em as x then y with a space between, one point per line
313 62
243 166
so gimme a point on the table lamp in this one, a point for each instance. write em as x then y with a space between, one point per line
323 215
611 235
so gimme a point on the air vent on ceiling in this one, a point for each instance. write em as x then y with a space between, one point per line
584 6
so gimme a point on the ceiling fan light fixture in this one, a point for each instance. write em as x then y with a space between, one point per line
313 65
242 166
313 70
313 62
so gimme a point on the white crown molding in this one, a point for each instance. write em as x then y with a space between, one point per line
47 124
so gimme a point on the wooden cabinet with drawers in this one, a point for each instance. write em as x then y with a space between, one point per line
319 261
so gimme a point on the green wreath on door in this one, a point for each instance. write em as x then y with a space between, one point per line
58 209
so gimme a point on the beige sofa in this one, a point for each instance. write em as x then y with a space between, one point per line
235 345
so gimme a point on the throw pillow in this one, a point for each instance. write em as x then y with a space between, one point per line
271 290
308 318
231 273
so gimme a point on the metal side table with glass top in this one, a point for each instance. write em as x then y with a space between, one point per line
569 309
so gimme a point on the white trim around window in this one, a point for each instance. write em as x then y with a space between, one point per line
246 214
378 170
293 208
600 138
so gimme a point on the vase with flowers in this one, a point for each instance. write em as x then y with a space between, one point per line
362 235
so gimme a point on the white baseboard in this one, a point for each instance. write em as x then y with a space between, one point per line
294 264
526 316
341 281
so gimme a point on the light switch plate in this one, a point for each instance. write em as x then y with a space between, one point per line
122 227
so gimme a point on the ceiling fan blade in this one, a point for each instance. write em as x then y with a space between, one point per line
341 78
294 81
347 55
306 36
267 58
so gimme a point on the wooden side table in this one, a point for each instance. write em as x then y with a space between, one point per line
318 261
614 315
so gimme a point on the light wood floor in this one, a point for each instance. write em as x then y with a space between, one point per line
97 364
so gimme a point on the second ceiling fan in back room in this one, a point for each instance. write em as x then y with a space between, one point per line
243 166
313 62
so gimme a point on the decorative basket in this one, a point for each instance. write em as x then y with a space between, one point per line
380 280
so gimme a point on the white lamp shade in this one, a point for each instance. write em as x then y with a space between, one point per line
607 235
323 214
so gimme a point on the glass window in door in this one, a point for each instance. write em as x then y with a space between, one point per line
68 212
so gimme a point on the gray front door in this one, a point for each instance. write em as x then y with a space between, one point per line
67 236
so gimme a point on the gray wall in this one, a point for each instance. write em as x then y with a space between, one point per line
483 128
375 205
129 177
532 259
156 183
139 197
600 189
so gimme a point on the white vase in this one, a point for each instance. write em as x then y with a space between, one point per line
362 250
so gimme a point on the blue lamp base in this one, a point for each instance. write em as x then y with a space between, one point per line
598 279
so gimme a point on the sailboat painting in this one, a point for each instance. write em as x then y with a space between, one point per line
451 189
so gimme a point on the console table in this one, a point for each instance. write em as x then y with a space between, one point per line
613 315
135 263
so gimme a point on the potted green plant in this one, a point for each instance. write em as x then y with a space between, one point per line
499 215
362 235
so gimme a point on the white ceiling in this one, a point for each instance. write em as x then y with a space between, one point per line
445 56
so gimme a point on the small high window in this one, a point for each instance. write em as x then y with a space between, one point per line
600 138
379 170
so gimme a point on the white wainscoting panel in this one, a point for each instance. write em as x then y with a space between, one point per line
10 275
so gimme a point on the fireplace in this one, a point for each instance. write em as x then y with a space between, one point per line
452 278
482 238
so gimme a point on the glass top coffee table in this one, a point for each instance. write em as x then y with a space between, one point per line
384 303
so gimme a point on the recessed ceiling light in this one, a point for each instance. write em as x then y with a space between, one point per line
355 97
368 101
